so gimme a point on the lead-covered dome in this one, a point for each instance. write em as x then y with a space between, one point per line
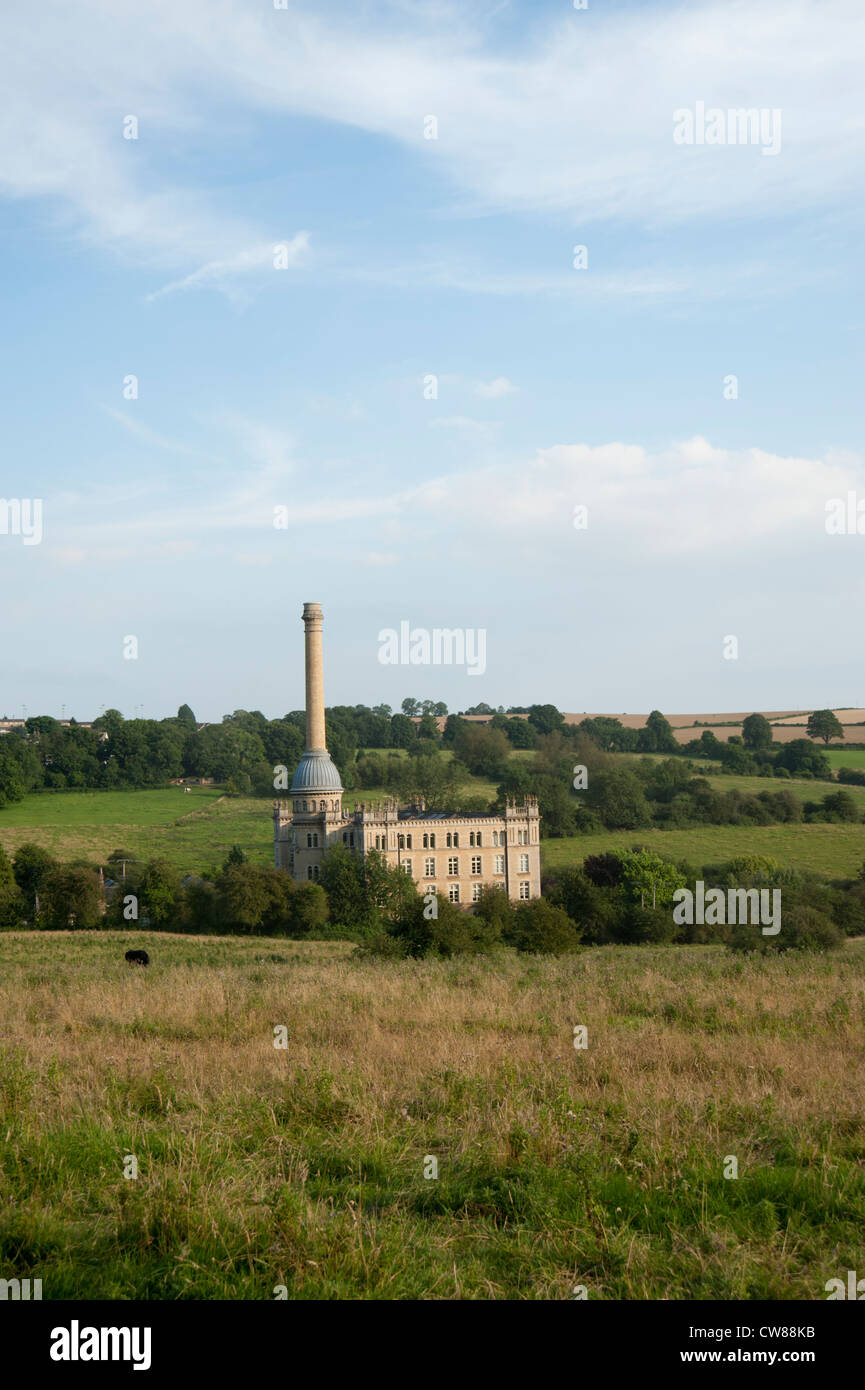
316 772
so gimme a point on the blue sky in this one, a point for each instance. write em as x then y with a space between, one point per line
303 387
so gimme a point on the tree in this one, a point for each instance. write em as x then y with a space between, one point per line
661 732
756 731
185 716
825 724
650 876
159 891
71 897
544 929
483 750
410 708
618 799
802 758
32 866
403 732
544 719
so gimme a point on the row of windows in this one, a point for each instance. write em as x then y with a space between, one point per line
429 865
310 805
454 891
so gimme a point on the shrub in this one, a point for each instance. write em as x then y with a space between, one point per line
544 929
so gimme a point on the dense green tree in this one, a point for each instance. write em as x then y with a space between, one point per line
756 731
544 929
159 894
32 866
825 724
545 719
71 897
482 749
653 879
403 732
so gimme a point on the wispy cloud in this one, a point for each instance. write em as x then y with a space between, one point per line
495 389
223 274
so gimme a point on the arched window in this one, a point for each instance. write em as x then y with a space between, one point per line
426 841
321 805
309 842
408 841
432 841
309 871
448 841
456 840
478 839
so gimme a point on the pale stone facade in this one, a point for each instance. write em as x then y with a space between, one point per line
453 855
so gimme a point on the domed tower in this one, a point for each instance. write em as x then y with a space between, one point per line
316 788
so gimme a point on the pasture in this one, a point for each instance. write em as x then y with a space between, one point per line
310 1167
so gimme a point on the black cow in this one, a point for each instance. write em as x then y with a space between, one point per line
138 957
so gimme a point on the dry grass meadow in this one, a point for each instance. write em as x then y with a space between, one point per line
305 1167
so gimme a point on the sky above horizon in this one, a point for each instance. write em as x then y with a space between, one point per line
301 393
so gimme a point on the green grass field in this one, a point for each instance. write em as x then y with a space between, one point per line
195 830
838 758
310 1167
837 851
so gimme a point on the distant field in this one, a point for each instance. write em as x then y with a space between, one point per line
835 850
309 1167
193 831
805 790
854 758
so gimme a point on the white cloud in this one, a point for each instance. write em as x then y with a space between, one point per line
576 117
222 274
493 390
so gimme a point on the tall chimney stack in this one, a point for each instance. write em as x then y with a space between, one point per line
315 736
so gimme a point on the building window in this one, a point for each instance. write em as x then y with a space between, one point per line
453 865
525 889
408 841
456 840
449 841
321 805
309 842
477 888
454 892
476 863
426 841
478 839
400 839
500 864
351 840
471 839
406 863
432 841
309 871
495 837
429 868
315 872
345 837
524 864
